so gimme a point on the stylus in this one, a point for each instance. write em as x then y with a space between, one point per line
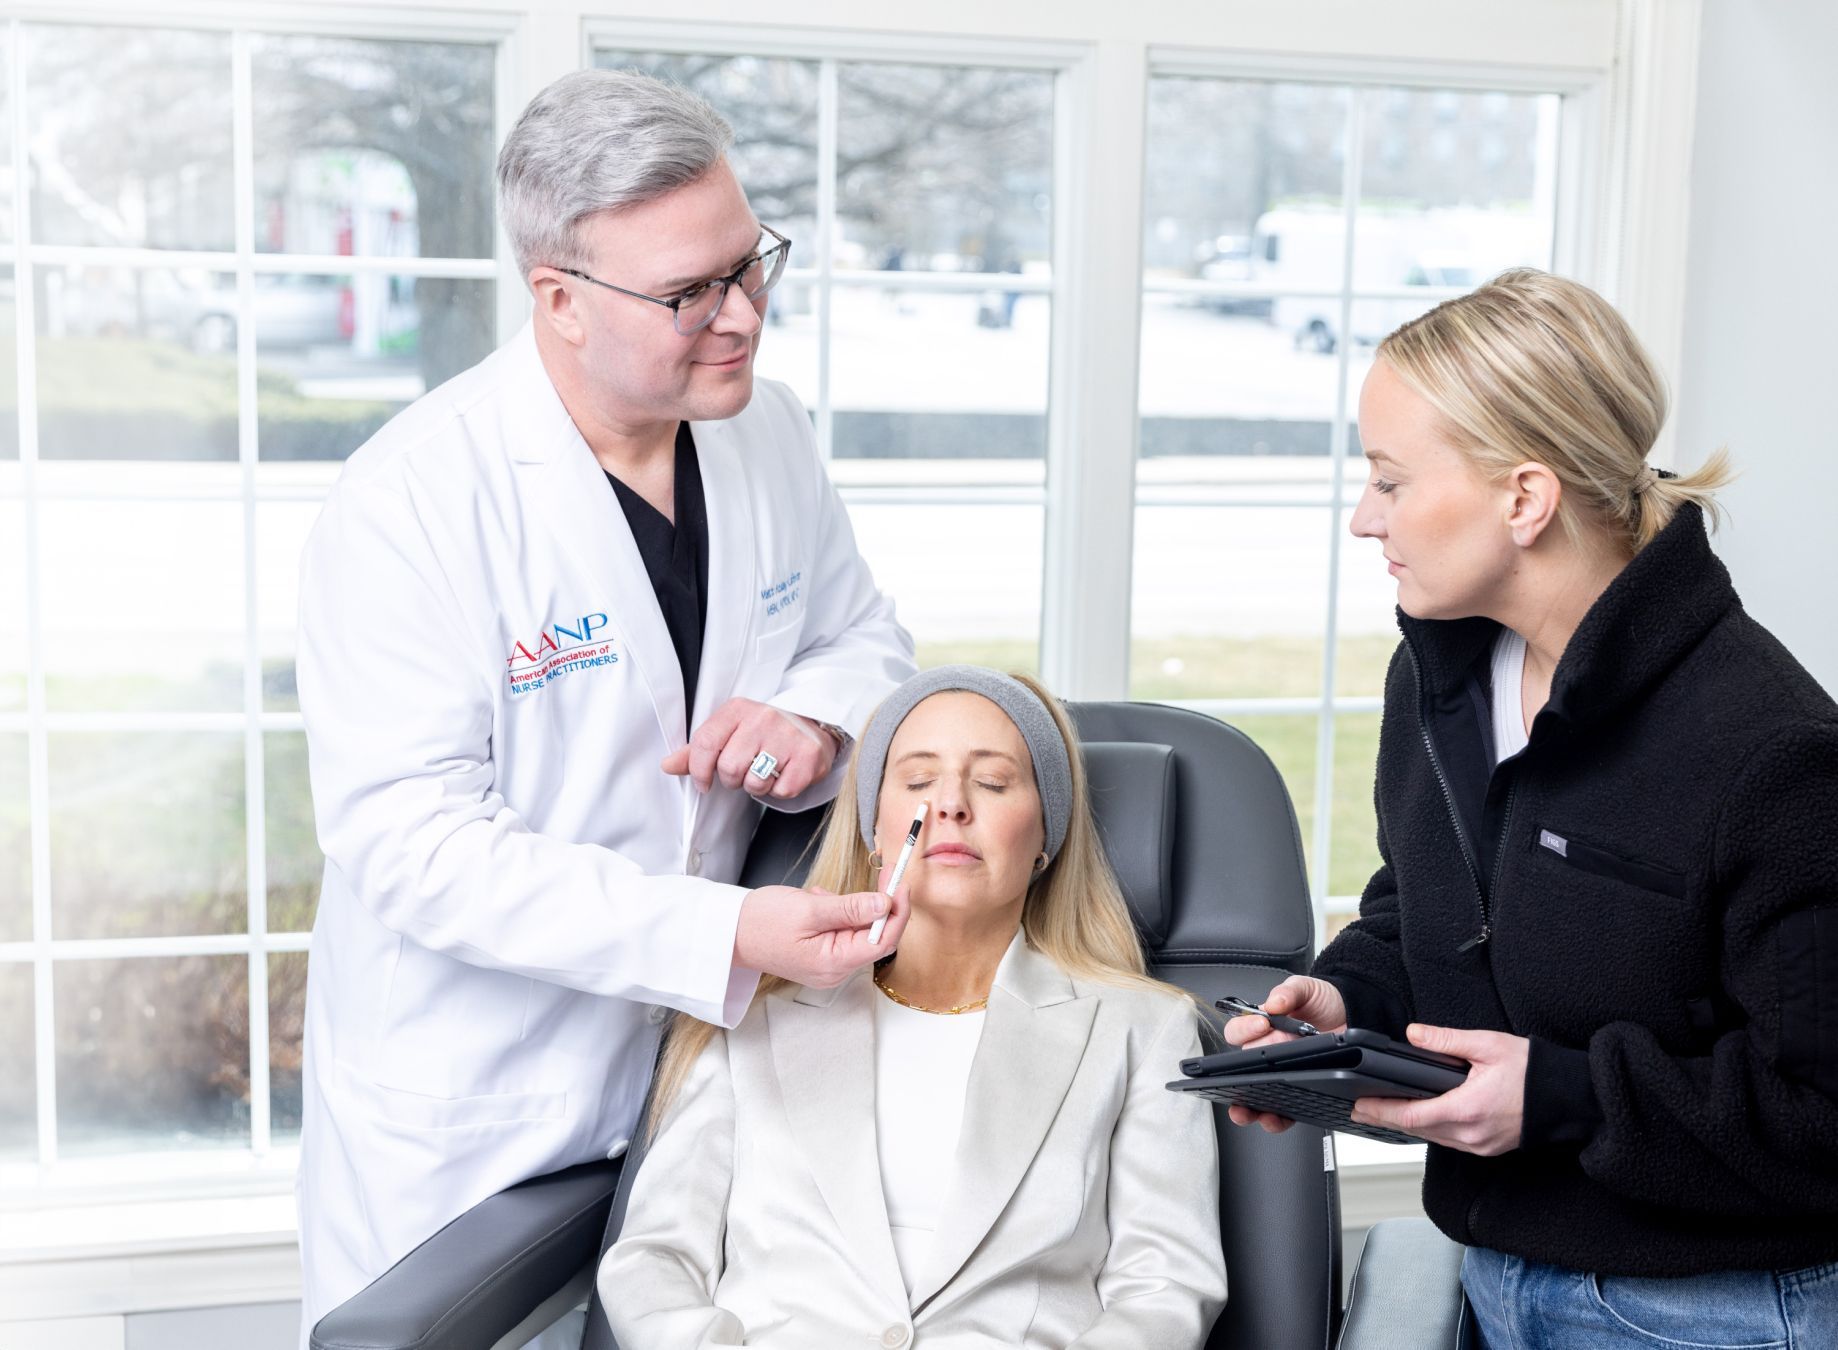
1239 1007
899 869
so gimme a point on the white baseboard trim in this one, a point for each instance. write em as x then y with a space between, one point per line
228 1271
65 1333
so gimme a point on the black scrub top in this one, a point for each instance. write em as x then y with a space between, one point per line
676 560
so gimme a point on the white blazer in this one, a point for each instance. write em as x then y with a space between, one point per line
1084 1210
511 880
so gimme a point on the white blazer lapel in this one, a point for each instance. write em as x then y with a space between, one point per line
573 490
1033 1041
823 1053
731 601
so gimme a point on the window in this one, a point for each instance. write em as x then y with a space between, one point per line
916 316
216 244
1271 269
213 242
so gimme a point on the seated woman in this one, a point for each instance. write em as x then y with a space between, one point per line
968 1145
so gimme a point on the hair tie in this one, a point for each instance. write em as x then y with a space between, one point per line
1648 476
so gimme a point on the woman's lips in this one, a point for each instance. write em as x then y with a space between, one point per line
953 855
1393 567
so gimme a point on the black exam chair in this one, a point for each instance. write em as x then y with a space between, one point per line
1200 830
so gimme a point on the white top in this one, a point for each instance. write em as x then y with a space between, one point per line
921 1071
1509 734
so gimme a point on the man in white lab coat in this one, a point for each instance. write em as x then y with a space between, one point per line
564 624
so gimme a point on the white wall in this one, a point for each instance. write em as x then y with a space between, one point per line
1760 364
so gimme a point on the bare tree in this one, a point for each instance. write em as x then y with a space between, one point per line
131 143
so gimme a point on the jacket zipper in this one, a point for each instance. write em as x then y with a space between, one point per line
1499 851
1448 800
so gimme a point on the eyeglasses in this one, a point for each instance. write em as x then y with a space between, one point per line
695 309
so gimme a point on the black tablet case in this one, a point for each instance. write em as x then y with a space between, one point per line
1316 1079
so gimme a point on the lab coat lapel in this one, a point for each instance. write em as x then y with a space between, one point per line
731 601
1033 1040
573 491
823 1053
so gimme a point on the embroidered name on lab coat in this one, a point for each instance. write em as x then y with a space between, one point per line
781 595
561 649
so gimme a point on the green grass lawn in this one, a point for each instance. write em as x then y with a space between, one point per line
171 805
133 398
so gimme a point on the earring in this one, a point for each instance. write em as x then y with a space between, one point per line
1041 860
875 861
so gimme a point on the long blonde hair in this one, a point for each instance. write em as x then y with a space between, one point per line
1536 367
1074 913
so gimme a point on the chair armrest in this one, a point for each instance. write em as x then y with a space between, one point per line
482 1274
1406 1290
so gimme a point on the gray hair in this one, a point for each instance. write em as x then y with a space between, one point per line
598 140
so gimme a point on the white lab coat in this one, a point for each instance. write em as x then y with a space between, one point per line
512 884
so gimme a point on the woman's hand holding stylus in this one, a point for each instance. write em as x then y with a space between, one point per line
1302 997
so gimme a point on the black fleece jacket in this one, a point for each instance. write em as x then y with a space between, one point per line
1649 893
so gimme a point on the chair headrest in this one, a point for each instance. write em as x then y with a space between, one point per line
1132 798
1213 875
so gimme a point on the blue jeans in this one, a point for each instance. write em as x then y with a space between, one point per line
1523 1305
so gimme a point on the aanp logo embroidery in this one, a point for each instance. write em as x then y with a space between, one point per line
561 649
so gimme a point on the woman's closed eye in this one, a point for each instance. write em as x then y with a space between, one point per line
920 784
1384 485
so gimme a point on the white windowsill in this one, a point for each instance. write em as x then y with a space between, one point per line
86 1260
78 1258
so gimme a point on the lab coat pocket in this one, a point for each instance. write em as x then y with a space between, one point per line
420 1111
773 652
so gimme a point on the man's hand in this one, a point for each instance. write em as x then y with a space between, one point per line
1484 1115
1300 996
812 937
726 744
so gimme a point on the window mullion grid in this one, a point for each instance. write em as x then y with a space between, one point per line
829 108
253 722
1337 448
38 773
254 798
1090 528
950 282
282 264
1072 95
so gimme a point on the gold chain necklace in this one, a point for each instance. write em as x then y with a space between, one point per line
975 1005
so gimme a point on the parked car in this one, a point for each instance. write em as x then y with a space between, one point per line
197 308
1305 248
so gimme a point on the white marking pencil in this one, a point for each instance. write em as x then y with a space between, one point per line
899 869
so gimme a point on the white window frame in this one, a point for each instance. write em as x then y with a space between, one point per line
261 1167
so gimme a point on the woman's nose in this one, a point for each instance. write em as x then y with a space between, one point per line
953 802
1365 522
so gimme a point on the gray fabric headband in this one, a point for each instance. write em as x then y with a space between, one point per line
1052 768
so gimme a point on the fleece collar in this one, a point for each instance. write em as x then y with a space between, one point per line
1652 614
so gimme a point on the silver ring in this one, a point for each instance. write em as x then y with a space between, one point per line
765 766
